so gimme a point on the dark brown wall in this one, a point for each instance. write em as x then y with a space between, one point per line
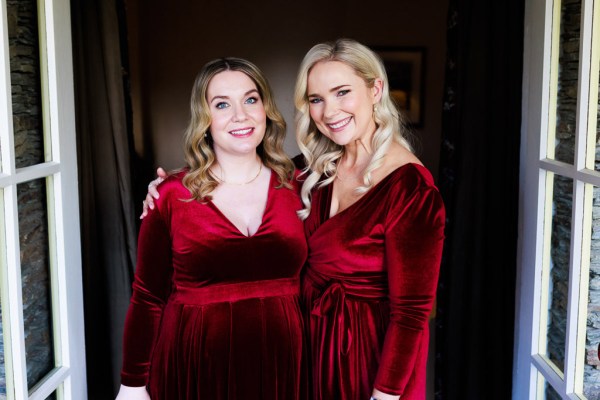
169 42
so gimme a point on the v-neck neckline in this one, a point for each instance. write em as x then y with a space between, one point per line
262 220
329 194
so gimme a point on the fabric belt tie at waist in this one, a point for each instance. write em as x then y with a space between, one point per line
236 291
333 301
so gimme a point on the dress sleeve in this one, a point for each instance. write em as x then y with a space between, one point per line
151 288
414 239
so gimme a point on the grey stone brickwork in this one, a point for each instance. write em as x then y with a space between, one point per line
25 82
33 238
563 187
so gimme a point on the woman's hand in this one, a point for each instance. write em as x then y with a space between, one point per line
132 393
152 192
382 396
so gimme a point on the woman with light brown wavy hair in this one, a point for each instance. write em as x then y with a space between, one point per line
374 223
215 310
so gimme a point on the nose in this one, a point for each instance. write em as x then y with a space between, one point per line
329 109
239 114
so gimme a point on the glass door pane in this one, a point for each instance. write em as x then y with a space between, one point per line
22 19
35 278
568 77
2 368
558 270
591 379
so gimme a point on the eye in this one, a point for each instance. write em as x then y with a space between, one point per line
251 100
221 105
315 100
343 92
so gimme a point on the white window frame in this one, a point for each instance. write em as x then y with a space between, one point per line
68 378
540 79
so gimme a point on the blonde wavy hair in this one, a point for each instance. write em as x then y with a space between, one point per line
322 154
199 153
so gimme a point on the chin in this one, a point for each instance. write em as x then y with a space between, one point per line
340 140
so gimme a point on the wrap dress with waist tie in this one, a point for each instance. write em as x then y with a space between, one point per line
370 285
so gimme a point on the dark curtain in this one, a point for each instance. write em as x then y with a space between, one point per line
108 227
479 176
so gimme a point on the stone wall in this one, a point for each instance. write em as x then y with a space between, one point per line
559 269
25 82
33 238
563 187
592 367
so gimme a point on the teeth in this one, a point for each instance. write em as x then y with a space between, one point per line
341 123
241 131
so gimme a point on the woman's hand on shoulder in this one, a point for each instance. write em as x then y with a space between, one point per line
132 393
152 192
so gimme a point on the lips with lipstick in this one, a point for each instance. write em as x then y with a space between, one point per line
339 125
244 132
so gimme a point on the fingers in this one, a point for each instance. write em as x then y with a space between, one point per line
144 210
161 173
148 205
152 191
150 201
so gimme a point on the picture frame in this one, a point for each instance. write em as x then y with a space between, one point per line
405 68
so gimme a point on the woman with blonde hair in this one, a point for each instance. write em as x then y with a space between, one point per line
374 223
215 310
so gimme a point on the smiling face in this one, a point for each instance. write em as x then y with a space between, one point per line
238 118
340 103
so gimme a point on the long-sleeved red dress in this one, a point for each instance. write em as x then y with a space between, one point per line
370 285
215 314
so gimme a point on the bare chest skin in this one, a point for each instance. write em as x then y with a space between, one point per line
244 205
349 178
344 194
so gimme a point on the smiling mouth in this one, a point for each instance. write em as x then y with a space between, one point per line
242 132
340 124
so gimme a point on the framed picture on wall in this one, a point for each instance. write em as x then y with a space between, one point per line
405 67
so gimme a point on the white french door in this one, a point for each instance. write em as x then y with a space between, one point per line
42 348
558 286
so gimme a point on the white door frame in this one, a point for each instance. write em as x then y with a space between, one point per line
68 378
540 81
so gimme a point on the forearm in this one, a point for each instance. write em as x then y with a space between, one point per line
383 396
132 393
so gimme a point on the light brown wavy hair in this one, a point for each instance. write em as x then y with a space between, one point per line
199 153
322 154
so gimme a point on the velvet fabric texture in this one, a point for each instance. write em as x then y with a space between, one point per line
215 314
370 285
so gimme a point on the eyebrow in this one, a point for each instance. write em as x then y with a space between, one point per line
330 90
227 97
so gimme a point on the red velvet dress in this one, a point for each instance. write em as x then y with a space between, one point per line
215 314
370 285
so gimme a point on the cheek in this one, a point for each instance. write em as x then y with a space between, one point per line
363 106
259 115
350 104
217 121
262 115
314 113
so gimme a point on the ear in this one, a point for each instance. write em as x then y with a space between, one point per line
377 90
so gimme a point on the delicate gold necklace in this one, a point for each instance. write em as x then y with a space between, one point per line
239 184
